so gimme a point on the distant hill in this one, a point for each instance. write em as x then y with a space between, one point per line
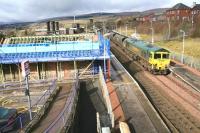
83 16
157 10
14 25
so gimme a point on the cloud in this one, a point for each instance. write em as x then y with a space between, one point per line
31 10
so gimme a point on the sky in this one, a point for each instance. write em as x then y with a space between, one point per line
32 10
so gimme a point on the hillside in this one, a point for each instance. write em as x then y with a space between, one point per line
82 16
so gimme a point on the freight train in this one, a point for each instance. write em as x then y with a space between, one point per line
152 58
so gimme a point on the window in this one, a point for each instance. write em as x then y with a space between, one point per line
157 56
165 56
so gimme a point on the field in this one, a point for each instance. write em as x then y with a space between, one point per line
192 46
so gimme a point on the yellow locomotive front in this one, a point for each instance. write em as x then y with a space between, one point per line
160 62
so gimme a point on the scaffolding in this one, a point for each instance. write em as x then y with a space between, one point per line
42 39
55 49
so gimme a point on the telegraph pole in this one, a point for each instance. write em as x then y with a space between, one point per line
126 29
169 26
152 35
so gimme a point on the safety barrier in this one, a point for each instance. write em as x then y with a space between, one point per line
23 119
19 86
65 118
106 97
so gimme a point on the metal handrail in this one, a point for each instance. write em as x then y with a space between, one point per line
70 99
52 87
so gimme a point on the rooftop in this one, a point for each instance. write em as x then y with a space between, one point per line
196 7
180 6
52 51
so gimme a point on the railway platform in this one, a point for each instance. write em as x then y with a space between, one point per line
138 112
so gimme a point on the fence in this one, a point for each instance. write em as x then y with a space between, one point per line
23 119
17 85
187 60
65 118
106 95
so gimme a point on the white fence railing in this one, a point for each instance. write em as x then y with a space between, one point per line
187 60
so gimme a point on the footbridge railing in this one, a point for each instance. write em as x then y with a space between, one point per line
65 118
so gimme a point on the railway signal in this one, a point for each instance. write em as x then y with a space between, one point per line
25 73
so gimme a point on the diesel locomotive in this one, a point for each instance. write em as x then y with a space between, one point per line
153 58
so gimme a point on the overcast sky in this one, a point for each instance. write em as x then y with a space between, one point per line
31 10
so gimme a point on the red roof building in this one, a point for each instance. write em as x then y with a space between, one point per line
179 12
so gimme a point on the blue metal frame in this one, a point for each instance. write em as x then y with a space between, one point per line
53 55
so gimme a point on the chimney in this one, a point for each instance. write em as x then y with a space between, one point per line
57 26
48 27
53 26
194 4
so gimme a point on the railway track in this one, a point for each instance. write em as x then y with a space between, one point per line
173 113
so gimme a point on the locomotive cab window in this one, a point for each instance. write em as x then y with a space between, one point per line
165 56
157 56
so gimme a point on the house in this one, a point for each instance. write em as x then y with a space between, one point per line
179 12
145 17
196 9
148 17
159 17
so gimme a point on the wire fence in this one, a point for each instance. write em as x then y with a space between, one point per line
23 119
187 60
65 118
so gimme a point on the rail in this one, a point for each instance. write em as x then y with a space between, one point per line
63 121
23 119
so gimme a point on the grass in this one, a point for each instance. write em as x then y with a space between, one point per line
192 46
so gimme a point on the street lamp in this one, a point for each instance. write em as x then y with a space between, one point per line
135 29
126 29
152 35
192 19
183 50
